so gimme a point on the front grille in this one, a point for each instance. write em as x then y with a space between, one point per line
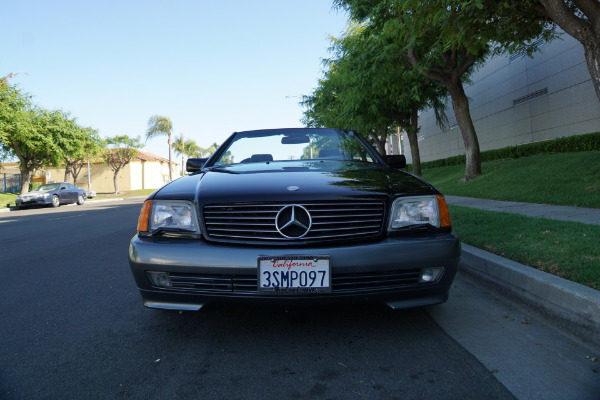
330 220
340 283
214 283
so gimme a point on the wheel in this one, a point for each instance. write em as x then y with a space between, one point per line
55 201
80 199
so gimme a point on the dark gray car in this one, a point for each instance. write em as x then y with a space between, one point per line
53 194
295 216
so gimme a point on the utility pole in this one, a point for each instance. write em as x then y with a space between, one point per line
89 173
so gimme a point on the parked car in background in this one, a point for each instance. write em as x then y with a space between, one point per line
91 194
53 194
295 216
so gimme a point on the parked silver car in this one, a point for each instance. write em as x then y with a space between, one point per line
53 194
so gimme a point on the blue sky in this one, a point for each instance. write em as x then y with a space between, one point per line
213 67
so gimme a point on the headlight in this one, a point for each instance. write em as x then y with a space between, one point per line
419 210
46 195
168 216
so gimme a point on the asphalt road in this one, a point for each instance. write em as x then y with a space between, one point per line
72 326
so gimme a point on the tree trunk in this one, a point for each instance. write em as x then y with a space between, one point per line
75 170
115 181
592 58
67 173
460 103
380 144
413 140
414 150
25 176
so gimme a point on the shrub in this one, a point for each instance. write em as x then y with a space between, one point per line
570 144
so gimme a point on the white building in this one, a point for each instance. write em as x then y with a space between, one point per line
516 100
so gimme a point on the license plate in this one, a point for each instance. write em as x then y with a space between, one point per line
294 275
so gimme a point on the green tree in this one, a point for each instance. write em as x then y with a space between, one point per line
361 90
73 146
120 151
161 125
37 137
90 146
444 39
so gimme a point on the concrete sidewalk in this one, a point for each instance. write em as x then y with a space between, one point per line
574 307
562 213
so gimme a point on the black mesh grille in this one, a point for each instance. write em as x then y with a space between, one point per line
340 283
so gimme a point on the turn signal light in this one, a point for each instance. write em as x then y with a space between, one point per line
444 213
144 216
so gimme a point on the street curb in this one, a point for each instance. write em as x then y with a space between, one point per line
574 307
107 200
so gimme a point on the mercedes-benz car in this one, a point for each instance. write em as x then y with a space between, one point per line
295 216
52 194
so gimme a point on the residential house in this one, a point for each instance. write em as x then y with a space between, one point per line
146 171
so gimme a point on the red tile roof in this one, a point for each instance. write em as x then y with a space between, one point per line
145 156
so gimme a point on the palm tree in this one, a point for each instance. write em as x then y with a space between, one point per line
184 148
160 125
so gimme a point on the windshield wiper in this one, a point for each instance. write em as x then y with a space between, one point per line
220 168
162 230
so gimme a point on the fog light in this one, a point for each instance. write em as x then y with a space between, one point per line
160 279
431 274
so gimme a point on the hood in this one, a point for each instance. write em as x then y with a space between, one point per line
35 192
285 181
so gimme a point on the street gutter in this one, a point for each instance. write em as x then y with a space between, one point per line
575 308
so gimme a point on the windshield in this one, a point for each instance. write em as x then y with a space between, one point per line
295 144
51 186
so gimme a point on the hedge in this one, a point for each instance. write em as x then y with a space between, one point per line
570 144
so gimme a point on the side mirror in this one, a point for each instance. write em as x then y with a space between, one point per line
195 164
396 161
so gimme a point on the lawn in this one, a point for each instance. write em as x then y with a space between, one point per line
571 179
567 249
7 199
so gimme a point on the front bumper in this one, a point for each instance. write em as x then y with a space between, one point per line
392 256
36 201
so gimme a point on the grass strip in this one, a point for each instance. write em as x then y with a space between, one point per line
570 179
570 250
7 199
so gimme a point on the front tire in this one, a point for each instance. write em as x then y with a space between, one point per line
55 201
80 199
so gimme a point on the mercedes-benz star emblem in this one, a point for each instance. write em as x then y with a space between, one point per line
293 222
